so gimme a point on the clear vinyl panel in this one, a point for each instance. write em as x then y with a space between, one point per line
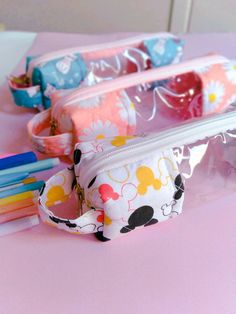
208 168
110 64
155 100
157 104
163 104
130 60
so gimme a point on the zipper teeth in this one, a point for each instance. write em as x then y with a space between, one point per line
91 48
177 136
141 78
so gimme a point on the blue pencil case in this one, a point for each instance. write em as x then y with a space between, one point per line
86 66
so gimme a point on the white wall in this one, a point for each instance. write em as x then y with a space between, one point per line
85 15
213 16
203 16
93 16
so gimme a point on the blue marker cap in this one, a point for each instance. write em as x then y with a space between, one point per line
17 160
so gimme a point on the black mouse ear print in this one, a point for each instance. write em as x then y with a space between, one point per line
71 225
57 220
63 221
126 229
99 235
77 156
92 182
151 222
179 187
42 189
140 217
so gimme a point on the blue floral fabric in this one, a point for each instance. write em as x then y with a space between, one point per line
164 51
62 73
24 99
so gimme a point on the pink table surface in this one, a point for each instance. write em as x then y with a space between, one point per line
185 265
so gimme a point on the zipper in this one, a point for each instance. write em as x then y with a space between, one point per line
182 135
135 79
53 127
92 48
141 78
81 197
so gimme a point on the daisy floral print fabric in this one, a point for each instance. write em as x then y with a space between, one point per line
127 109
89 119
103 116
218 86
230 69
213 94
99 130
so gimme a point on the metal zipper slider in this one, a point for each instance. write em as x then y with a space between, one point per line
53 127
80 193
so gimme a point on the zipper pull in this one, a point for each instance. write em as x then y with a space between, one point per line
80 193
53 127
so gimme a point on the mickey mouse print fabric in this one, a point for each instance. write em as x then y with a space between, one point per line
127 183
121 199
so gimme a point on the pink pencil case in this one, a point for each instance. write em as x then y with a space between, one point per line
125 184
84 66
135 104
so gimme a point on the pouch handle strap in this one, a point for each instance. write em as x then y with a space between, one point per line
56 145
58 189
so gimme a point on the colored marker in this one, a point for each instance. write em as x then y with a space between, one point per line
18 225
23 212
18 197
33 167
20 183
17 160
23 188
12 178
18 205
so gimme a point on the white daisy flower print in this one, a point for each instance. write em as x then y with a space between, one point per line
132 114
127 110
123 112
231 71
213 94
99 130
